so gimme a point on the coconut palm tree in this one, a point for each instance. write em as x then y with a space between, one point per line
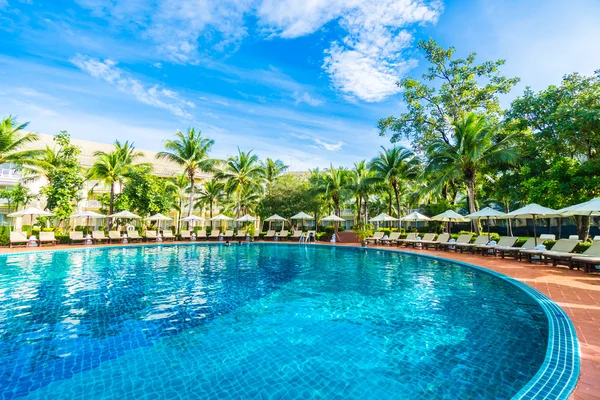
189 150
241 173
12 141
211 194
394 167
273 168
334 184
361 186
178 187
477 145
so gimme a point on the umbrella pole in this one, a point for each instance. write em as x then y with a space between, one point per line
488 226
534 231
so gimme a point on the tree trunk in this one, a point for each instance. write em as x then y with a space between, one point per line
358 209
192 193
397 194
471 196
583 226
111 206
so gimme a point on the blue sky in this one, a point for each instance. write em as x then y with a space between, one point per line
300 80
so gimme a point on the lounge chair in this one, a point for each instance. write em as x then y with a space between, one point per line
561 246
186 235
77 236
201 235
311 233
214 234
529 244
596 238
462 239
442 238
228 235
114 235
393 238
428 237
270 234
47 237
133 235
480 240
98 236
505 241
18 238
296 235
168 235
376 237
283 235
409 238
151 235
241 235
573 237
588 259
557 256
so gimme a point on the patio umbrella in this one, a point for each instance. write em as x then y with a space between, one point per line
588 208
88 215
302 216
159 217
246 218
124 214
221 218
414 217
532 211
449 216
31 211
333 218
275 217
191 218
486 213
383 217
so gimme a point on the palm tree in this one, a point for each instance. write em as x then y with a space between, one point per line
394 167
241 173
361 186
107 169
477 145
12 142
178 187
211 194
189 150
334 183
273 168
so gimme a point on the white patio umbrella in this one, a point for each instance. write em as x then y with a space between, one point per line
191 218
303 216
275 217
159 217
449 216
588 208
246 218
32 212
124 214
532 211
221 218
414 217
486 213
88 215
333 218
383 217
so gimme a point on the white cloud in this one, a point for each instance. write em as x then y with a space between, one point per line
319 144
306 98
154 96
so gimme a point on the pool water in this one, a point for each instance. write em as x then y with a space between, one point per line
261 321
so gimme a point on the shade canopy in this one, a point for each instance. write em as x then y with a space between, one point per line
124 214
31 211
589 208
302 215
487 212
532 211
383 217
192 218
275 217
88 214
159 217
450 216
415 216
333 218
221 217
246 218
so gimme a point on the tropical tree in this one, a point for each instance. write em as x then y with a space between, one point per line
190 150
394 167
477 146
361 186
241 173
178 187
13 139
210 195
18 195
334 185
273 169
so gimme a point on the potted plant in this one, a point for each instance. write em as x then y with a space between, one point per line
250 231
363 232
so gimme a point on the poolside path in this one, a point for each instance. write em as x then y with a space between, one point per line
576 292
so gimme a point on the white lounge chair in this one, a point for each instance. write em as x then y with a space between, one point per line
409 238
505 241
270 234
186 235
376 237
151 235
214 234
18 238
393 238
133 235
114 235
480 240
167 234
462 239
442 238
47 237
77 237
561 246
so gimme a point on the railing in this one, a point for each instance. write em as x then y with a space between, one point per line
93 204
6 173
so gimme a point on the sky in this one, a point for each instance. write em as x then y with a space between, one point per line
304 81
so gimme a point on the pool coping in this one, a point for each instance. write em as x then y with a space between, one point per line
558 374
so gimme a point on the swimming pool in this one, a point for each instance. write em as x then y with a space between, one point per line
270 320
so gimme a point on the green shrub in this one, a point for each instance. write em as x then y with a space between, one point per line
520 242
62 239
323 237
4 235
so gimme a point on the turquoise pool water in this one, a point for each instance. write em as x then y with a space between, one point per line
261 321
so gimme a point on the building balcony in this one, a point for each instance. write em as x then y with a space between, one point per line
93 204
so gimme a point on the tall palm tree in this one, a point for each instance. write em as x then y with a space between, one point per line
178 187
273 168
211 194
394 167
361 186
12 141
477 145
189 150
334 184
242 172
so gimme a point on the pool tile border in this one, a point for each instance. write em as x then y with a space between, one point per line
556 378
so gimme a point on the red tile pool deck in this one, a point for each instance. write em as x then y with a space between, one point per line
576 292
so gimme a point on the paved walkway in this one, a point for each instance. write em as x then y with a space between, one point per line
576 292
